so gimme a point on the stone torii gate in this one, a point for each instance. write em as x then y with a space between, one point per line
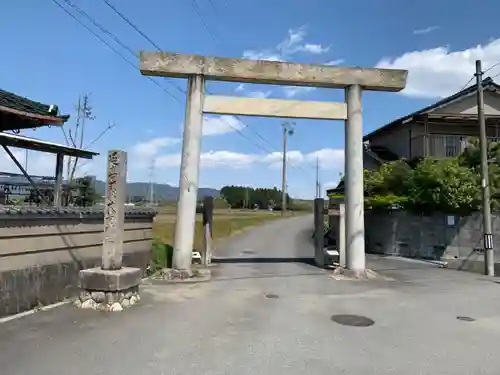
197 69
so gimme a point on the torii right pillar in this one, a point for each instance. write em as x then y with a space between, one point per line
354 190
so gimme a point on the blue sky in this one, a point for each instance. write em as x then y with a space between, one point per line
49 57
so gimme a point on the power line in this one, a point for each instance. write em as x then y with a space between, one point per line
496 75
469 81
198 11
99 26
493 66
214 8
93 32
144 35
203 20
150 40
103 41
487 70
129 22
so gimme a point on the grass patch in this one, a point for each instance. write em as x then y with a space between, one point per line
226 224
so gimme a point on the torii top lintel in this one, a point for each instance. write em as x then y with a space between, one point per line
168 64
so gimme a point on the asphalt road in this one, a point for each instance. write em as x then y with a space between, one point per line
273 316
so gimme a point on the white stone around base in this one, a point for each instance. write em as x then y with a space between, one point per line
108 301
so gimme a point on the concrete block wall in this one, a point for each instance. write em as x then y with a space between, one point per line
457 240
42 251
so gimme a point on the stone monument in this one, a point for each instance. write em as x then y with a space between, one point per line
112 287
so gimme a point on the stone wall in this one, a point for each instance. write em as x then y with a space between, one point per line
42 251
457 240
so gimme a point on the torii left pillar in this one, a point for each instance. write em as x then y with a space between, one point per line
189 177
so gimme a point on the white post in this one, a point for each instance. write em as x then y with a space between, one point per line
341 235
354 191
188 183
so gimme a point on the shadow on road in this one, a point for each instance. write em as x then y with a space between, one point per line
218 278
305 260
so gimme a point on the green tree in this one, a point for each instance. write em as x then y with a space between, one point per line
242 196
471 157
443 185
391 179
86 192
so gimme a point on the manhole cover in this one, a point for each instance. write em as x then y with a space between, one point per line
353 320
272 296
466 318
248 252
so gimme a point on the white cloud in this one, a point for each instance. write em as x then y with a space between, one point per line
330 184
211 159
291 91
167 161
275 159
217 125
314 48
221 125
226 158
426 30
153 146
329 159
291 45
262 55
334 62
293 40
259 94
146 152
440 72
240 87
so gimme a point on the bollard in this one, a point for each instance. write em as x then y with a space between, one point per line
208 216
319 231
341 235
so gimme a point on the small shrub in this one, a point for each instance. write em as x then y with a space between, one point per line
161 256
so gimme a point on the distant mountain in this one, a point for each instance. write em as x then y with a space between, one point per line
163 192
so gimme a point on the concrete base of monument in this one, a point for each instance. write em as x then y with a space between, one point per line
173 276
109 290
341 273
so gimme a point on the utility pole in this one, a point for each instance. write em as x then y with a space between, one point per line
71 140
318 189
489 266
287 130
151 183
77 134
247 198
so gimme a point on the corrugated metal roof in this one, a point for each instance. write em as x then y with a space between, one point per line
27 143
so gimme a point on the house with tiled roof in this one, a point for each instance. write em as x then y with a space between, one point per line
17 112
440 130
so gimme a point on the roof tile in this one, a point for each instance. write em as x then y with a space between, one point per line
13 101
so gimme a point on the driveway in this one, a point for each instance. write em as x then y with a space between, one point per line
269 311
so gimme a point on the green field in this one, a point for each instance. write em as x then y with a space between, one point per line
227 222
